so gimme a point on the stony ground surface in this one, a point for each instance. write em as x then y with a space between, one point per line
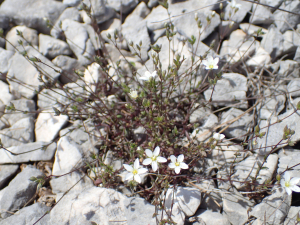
269 62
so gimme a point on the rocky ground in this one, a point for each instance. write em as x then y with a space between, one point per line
268 61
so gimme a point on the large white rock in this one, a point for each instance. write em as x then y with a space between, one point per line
48 125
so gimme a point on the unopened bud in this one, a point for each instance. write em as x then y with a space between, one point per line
231 24
196 16
221 5
213 13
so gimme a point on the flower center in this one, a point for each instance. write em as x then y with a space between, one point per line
287 184
153 158
177 164
211 66
135 172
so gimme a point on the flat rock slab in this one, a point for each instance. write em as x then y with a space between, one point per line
19 191
32 12
28 215
35 152
103 206
6 172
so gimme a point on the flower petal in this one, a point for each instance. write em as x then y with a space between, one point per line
154 74
173 158
287 176
180 158
154 166
295 188
172 165
156 151
282 183
177 170
288 191
137 178
136 163
205 63
184 165
147 161
216 60
147 74
295 180
142 170
149 153
161 159
129 176
128 167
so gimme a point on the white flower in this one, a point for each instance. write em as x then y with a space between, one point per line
233 5
211 63
177 163
133 94
135 171
290 184
154 158
218 137
147 76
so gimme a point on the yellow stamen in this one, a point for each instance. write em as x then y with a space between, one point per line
135 172
177 164
211 66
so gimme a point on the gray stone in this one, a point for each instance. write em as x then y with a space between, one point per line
70 13
100 11
27 75
24 109
51 47
226 154
239 47
138 14
232 87
274 133
286 69
272 104
273 209
19 191
181 23
124 6
30 38
261 15
79 40
260 58
274 3
28 215
287 21
226 27
238 16
68 66
5 56
294 88
136 33
85 135
101 206
5 96
184 201
291 42
23 153
205 131
73 182
31 13
251 29
48 125
19 133
211 196
292 216
290 160
239 128
4 21
71 2
235 206
52 98
211 218
6 172
273 41
248 168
